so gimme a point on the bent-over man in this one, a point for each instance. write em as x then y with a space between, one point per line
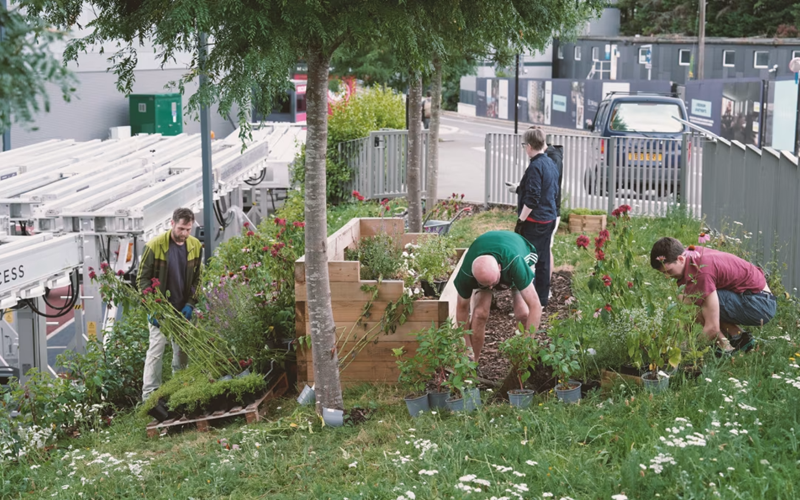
496 260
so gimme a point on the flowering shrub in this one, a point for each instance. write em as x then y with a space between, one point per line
446 209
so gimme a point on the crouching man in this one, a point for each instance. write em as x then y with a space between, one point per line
729 290
496 260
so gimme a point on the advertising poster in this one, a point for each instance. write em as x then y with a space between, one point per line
536 102
480 97
548 93
502 106
782 118
561 104
703 104
741 112
593 95
577 104
492 97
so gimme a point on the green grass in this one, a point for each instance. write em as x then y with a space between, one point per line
605 446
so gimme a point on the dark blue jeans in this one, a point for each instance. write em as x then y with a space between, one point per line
540 235
747 309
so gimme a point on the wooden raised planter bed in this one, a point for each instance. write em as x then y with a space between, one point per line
375 363
591 224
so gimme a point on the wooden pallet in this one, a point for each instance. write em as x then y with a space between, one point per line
253 412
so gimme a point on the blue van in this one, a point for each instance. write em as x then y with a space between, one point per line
649 164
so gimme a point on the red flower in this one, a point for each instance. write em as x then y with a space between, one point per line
606 280
615 213
608 307
158 300
598 243
92 274
280 222
147 290
246 224
599 255
630 284
264 249
250 233
625 208
91 268
605 234
582 241
120 272
360 198
356 193
462 196
299 224
103 266
155 282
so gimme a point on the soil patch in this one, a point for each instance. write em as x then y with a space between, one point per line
357 415
502 325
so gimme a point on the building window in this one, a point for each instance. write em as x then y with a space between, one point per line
577 53
595 53
761 59
684 57
729 58
560 52
795 54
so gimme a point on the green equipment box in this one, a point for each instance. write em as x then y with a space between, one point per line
156 114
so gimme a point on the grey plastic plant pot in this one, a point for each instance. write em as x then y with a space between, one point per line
472 399
307 396
455 404
438 399
655 384
417 405
333 418
569 395
520 398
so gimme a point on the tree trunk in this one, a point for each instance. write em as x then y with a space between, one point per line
413 177
432 186
323 329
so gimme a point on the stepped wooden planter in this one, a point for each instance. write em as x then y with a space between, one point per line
591 224
375 363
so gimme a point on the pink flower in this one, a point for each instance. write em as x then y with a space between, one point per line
299 224
661 258
582 241
691 251
120 272
596 313
250 233
103 266
703 238
356 193
92 274
280 222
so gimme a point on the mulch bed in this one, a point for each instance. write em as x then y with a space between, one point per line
502 325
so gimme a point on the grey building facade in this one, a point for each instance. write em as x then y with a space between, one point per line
675 58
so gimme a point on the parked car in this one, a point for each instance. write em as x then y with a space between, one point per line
650 164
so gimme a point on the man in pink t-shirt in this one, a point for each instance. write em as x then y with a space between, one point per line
730 291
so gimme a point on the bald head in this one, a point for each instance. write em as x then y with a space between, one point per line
486 270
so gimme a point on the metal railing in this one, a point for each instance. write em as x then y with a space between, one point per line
602 173
379 163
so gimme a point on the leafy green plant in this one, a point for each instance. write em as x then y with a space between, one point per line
521 350
431 259
586 211
202 393
561 355
413 373
441 348
379 257
446 209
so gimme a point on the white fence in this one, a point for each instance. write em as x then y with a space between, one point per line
379 163
602 173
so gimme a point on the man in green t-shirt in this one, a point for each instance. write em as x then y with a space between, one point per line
496 260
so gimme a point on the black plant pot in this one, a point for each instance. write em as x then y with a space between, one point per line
588 386
433 290
159 411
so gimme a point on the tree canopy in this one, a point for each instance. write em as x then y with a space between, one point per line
26 66
724 18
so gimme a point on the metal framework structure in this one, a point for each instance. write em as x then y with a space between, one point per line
66 206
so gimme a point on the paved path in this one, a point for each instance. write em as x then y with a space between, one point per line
462 154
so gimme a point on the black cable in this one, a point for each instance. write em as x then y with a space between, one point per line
255 181
67 307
